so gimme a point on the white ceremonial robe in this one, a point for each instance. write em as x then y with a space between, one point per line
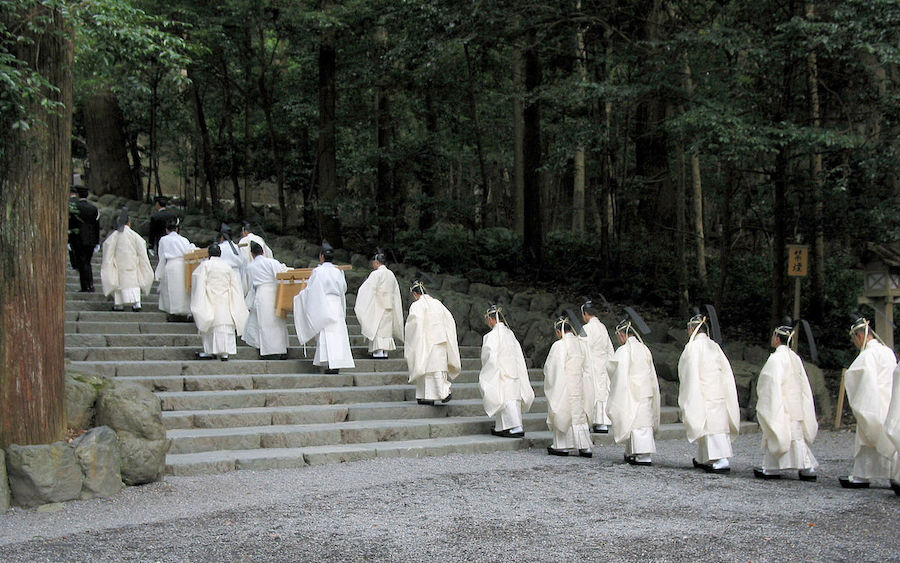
707 397
380 310
564 389
596 391
786 412
320 310
125 269
431 351
869 384
231 254
892 423
634 397
244 245
217 303
173 294
265 331
503 380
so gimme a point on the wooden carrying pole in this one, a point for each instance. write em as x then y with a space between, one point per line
840 402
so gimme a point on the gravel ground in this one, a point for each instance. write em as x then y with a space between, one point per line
522 505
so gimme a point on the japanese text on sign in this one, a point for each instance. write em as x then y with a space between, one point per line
798 259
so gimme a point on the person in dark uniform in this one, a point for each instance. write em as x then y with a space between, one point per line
84 235
158 222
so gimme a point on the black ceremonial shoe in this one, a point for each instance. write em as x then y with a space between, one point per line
585 453
760 474
425 402
600 429
806 476
895 486
507 434
553 451
447 398
118 308
136 309
203 356
632 460
848 484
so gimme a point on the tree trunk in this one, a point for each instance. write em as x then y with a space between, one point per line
697 195
384 192
34 179
228 112
531 153
518 144
578 183
680 229
817 301
329 221
429 166
480 191
209 170
779 249
104 132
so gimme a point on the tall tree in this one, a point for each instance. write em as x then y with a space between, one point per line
35 171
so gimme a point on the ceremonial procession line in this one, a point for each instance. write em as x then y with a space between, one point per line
265 414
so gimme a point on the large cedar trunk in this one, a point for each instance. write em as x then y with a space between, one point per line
34 181
531 157
329 222
104 131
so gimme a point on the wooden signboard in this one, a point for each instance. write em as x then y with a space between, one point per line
290 283
798 260
191 261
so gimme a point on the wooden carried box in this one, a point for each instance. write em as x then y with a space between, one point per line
191 261
290 283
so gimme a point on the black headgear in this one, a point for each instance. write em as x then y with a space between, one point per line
588 307
162 200
255 248
563 324
225 231
122 220
418 287
245 226
82 191
214 250
379 256
496 311
327 251
172 224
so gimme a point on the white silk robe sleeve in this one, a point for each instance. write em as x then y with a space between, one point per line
868 391
203 312
109 274
559 416
771 413
892 422
144 270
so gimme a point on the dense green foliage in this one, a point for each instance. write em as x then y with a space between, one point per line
780 118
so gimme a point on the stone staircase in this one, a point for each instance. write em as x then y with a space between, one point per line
248 413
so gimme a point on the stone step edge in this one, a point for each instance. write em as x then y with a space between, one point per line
166 394
223 461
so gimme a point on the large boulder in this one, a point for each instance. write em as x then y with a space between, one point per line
543 303
80 397
665 358
97 452
4 486
43 473
824 404
745 375
135 415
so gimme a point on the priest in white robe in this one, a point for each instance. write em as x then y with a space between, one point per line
379 309
431 351
174 298
320 311
786 412
244 244
265 331
125 269
634 396
503 380
564 370
596 390
869 384
231 253
892 429
217 303
707 397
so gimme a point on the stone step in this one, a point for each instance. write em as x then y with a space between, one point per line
281 458
193 440
237 382
98 340
213 367
74 293
316 414
248 398
147 306
149 327
178 353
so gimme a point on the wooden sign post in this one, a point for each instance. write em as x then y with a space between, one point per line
798 267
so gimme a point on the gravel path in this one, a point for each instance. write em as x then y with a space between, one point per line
522 505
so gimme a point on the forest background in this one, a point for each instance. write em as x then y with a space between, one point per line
662 153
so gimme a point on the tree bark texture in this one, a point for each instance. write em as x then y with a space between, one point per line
429 167
579 173
104 131
531 153
696 195
209 169
329 222
518 145
817 301
34 182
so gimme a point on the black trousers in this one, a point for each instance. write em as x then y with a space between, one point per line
80 256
